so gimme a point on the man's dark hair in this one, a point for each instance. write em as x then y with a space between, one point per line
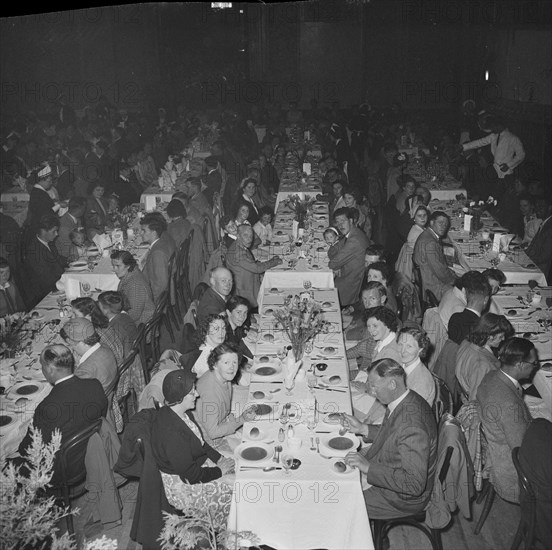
438 214
515 350
344 211
383 314
489 325
155 222
176 209
48 221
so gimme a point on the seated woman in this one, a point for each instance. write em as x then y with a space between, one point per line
177 444
215 395
237 315
133 286
109 335
353 199
97 210
380 271
407 189
414 344
475 356
382 326
404 261
531 222
210 334
248 188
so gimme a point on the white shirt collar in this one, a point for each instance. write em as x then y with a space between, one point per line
410 368
75 220
38 186
436 236
386 341
88 353
47 245
63 379
514 381
394 404
473 311
153 242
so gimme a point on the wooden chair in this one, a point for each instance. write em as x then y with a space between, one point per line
182 279
443 402
152 331
72 487
527 500
381 527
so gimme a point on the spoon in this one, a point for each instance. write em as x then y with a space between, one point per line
275 391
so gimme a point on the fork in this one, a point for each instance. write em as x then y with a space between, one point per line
317 444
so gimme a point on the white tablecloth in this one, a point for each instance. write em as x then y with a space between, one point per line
15 194
313 506
152 196
285 192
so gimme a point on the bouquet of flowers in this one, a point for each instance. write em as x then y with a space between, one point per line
11 334
300 206
301 318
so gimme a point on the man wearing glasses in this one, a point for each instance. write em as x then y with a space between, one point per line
504 414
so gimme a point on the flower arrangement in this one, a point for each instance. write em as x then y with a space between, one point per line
29 517
11 334
301 318
203 524
300 206
125 217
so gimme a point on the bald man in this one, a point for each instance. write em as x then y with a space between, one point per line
246 270
214 299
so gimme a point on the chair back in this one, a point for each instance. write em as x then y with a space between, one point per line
443 402
78 440
430 299
417 281
527 502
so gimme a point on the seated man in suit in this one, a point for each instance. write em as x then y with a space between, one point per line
42 263
10 298
77 402
214 299
462 323
540 250
400 465
347 257
213 179
429 256
71 220
246 270
156 263
504 414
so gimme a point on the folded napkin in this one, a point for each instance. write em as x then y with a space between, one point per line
101 240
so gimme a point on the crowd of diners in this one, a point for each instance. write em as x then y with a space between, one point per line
382 224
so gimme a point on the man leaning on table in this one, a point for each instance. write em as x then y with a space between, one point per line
246 270
507 151
400 465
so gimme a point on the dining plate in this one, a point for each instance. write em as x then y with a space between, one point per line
79 263
332 418
334 380
26 389
253 452
257 434
77 269
338 445
7 421
269 338
269 369
58 293
341 468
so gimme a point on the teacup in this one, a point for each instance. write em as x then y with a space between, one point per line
536 300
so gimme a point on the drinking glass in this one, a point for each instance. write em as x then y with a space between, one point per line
281 354
287 463
312 422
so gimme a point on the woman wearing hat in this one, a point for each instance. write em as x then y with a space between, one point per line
181 453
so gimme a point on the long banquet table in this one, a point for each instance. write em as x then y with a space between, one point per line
313 506
517 266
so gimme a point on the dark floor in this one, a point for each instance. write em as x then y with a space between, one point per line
497 533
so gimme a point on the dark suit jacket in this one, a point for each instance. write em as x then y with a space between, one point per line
43 267
535 457
505 419
96 218
177 450
347 256
461 325
127 191
211 303
213 181
429 257
403 457
179 231
247 271
11 300
156 268
540 249
71 406
63 242
40 204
